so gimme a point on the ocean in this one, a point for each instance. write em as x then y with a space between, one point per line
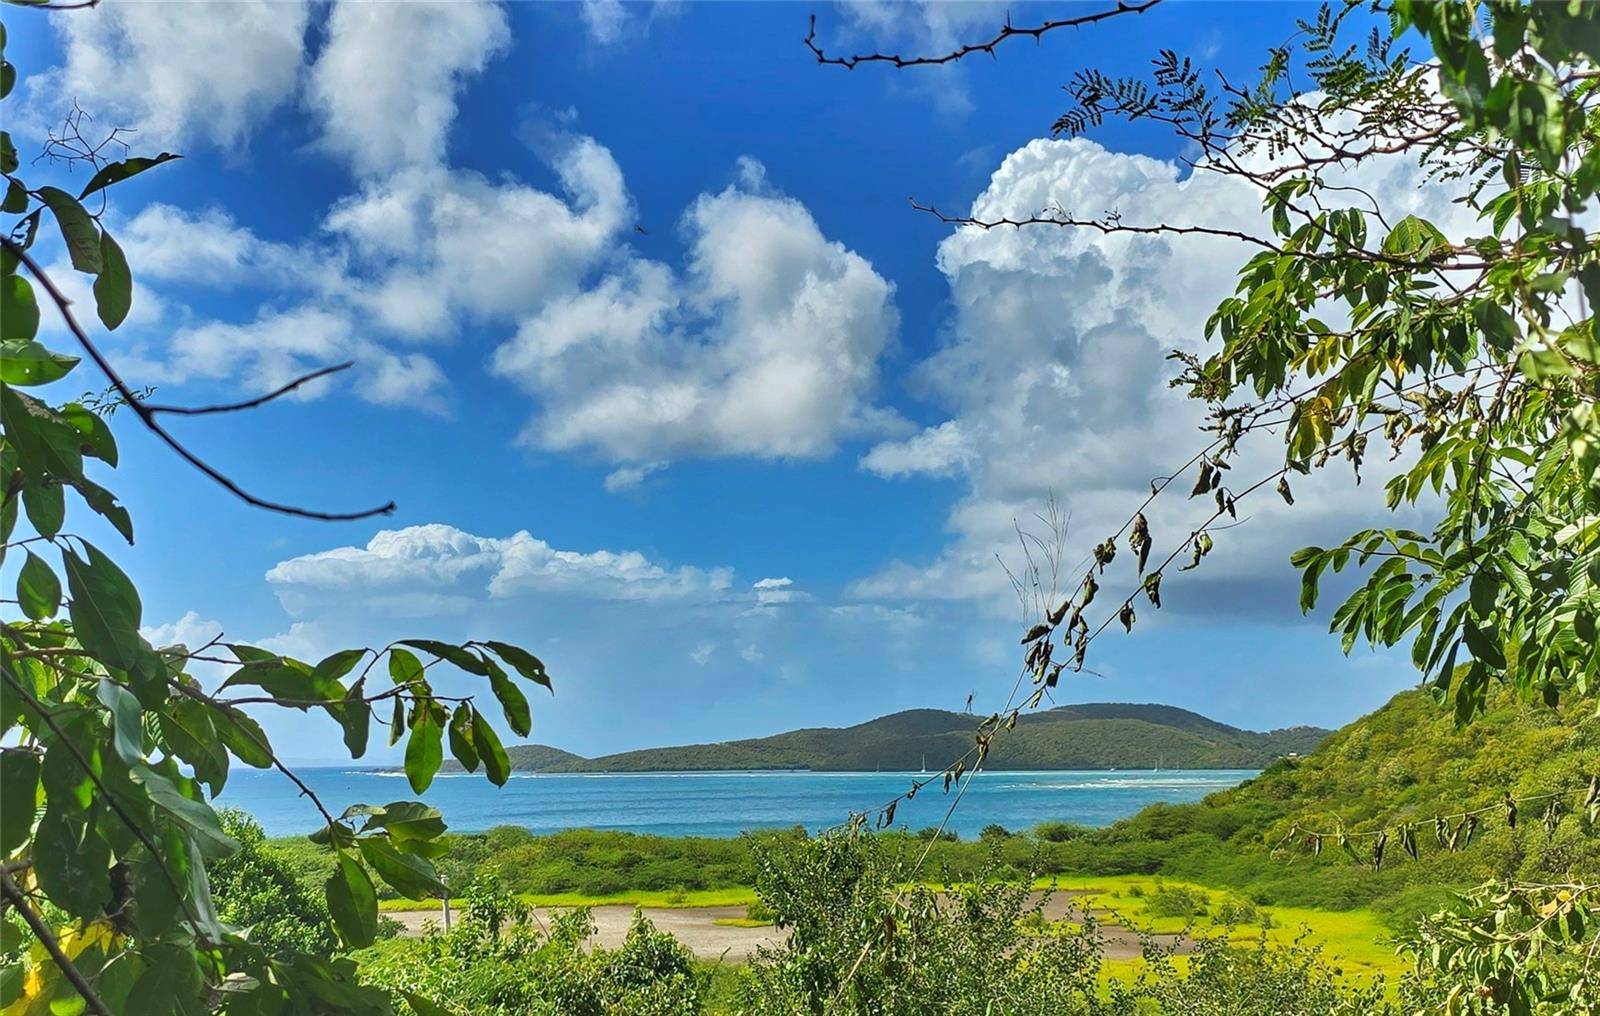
724 803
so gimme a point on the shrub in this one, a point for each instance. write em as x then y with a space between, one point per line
1176 901
994 832
1060 832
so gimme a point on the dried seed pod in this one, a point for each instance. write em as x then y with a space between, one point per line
1552 818
1139 540
1090 587
887 818
1038 631
1591 801
1408 840
1441 831
1202 483
1316 844
1378 846
1055 616
1152 588
1054 673
1284 491
1465 831
1126 616
1510 805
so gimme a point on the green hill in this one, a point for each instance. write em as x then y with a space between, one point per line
1405 762
1094 736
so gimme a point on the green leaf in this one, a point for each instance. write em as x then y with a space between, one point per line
72 862
512 701
194 816
38 589
46 443
424 1007
461 745
355 716
46 506
190 733
353 903
25 362
105 608
445 651
19 788
495 763
243 736
97 438
409 822
19 320
82 236
410 876
404 667
16 199
117 172
126 721
113 287
524 662
424 751
397 722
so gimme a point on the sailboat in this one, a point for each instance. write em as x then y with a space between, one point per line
924 764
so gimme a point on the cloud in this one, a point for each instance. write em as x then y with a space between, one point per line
386 83
278 347
935 451
767 345
437 568
702 653
177 72
630 477
190 630
430 244
1055 384
604 19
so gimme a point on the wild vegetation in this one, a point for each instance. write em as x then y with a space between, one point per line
1474 358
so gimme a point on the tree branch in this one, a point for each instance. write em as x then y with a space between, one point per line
1008 32
47 938
233 407
147 415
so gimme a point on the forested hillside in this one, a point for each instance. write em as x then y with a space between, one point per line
1404 763
1094 736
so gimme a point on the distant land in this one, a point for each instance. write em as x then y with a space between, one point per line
1102 735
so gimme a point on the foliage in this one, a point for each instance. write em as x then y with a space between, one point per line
495 961
1510 949
113 748
864 942
257 891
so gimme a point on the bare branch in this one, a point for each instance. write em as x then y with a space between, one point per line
233 407
147 416
1009 31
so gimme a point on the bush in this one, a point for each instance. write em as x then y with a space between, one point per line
1060 832
994 832
1235 909
935 833
1176 901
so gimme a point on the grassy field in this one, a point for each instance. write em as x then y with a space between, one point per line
1356 941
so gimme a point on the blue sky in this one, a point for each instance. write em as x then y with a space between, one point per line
745 470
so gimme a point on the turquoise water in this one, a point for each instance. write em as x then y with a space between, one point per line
725 804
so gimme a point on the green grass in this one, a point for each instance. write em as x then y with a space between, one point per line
1356 941
742 922
675 899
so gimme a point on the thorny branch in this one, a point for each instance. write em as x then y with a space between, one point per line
1008 31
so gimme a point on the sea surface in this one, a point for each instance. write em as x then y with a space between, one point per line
724 803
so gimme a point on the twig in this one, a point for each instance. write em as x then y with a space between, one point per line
1009 31
233 407
147 417
47 938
